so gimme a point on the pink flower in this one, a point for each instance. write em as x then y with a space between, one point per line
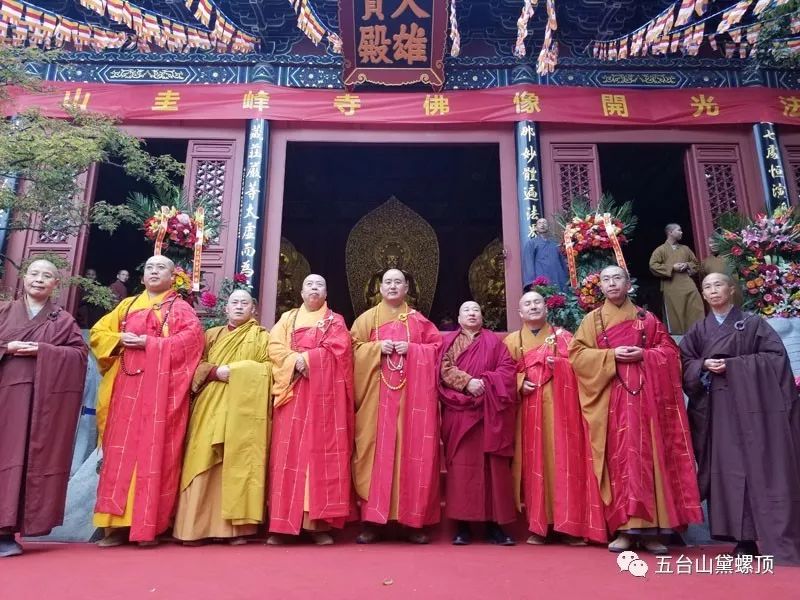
541 280
183 218
555 301
208 299
240 278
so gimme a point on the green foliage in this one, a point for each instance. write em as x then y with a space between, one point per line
771 49
48 157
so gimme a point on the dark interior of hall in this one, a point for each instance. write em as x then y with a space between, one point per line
127 247
652 176
455 188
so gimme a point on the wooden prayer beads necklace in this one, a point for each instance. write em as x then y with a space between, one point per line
550 340
159 332
322 325
399 366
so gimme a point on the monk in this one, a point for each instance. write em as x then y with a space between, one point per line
542 257
743 411
396 460
714 263
552 467
476 389
312 436
224 468
676 264
42 371
148 348
628 370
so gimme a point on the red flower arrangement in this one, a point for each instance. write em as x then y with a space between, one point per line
589 234
590 296
181 229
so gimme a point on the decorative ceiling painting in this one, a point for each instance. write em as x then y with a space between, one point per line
535 32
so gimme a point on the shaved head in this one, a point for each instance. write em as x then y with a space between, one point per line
40 280
159 274
723 277
314 292
43 263
529 296
470 316
615 284
615 270
394 287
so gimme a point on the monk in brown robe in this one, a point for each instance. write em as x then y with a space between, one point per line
312 434
714 263
676 264
553 475
629 378
148 349
222 490
476 388
396 461
745 420
42 372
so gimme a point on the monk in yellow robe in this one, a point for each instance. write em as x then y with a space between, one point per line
223 477
552 466
396 461
676 264
147 349
629 381
312 436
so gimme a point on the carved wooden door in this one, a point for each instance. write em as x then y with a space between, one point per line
572 171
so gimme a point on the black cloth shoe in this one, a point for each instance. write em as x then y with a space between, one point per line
495 535
9 546
463 536
746 548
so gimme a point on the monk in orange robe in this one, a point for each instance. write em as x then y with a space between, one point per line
629 377
478 413
552 467
396 461
312 433
148 348
42 374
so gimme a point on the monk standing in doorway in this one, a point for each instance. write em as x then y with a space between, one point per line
675 264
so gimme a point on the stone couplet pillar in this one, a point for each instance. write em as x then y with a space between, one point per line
529 180
251 210
770 162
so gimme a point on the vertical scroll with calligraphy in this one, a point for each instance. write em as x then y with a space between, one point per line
773 175
393 42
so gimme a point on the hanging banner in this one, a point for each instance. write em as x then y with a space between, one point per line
393 42
543 104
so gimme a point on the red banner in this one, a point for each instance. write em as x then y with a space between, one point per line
545 104
396 42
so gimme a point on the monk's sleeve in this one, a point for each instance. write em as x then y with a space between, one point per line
366 357
503 377
658 264
283 360
451 375
692 360
694 264
512 344
205 370
104 337
595 370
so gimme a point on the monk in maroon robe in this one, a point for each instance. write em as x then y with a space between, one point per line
42 373
745 420
478 396
312 422
628 370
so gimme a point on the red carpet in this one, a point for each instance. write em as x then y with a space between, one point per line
392 570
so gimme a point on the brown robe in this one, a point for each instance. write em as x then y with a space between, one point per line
40 400
745 428
683 305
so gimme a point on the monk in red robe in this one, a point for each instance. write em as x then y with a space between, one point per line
42 373
629 377
743 410
396 461
148 348
553 473
312 431
476 388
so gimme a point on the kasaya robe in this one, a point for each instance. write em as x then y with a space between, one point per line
40 400
478 431
553 472
746 432
227 442
641 450
683 305
543 257
310 483
142 417
396 460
